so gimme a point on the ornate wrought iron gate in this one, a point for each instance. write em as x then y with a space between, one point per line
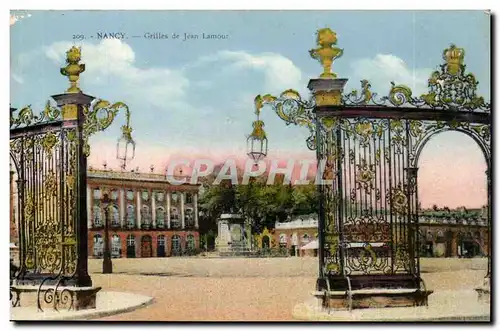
368 149
49 152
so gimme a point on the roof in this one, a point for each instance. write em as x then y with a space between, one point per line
136 176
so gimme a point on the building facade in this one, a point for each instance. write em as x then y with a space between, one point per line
448 234
441 234
148 216
296 233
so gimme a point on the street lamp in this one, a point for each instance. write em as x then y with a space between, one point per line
107 264
125 145
257 140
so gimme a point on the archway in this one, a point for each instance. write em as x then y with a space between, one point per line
176 245
161 244
116 246
130 246
452 188
146 246
190 244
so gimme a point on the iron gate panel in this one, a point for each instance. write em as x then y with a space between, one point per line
368 223
45 158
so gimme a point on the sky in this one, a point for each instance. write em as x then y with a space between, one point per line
194 98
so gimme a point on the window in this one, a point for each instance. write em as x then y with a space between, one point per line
161 240
98 245
175 197
130 240
189 198
190 242
114 194
97 216
145 216
97 194
145 195
176 244
160 217
189 217
175 223
130 195
160 196
130 216
115 246
115 216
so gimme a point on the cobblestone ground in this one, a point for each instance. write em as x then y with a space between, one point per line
238 289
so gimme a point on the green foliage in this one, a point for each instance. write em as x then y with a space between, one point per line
260 203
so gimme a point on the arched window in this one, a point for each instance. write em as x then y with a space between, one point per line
189 217
161 249
115 216
160 217
130 216
190 243
97 216
116 246
145 216
130 245
174 218
98 245
176 244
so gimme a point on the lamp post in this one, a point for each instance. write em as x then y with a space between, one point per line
257 140
107 264
125 145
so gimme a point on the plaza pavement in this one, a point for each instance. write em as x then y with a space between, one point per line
239 289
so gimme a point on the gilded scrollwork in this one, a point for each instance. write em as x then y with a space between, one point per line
398 200
365 176
292 109
450 88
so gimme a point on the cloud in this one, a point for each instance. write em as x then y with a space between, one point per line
279 72
112 62
384 68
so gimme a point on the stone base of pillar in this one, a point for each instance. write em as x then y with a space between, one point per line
372 298
483 291
60 298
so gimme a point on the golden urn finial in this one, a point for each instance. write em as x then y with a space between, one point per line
326 53
73 69
454 58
